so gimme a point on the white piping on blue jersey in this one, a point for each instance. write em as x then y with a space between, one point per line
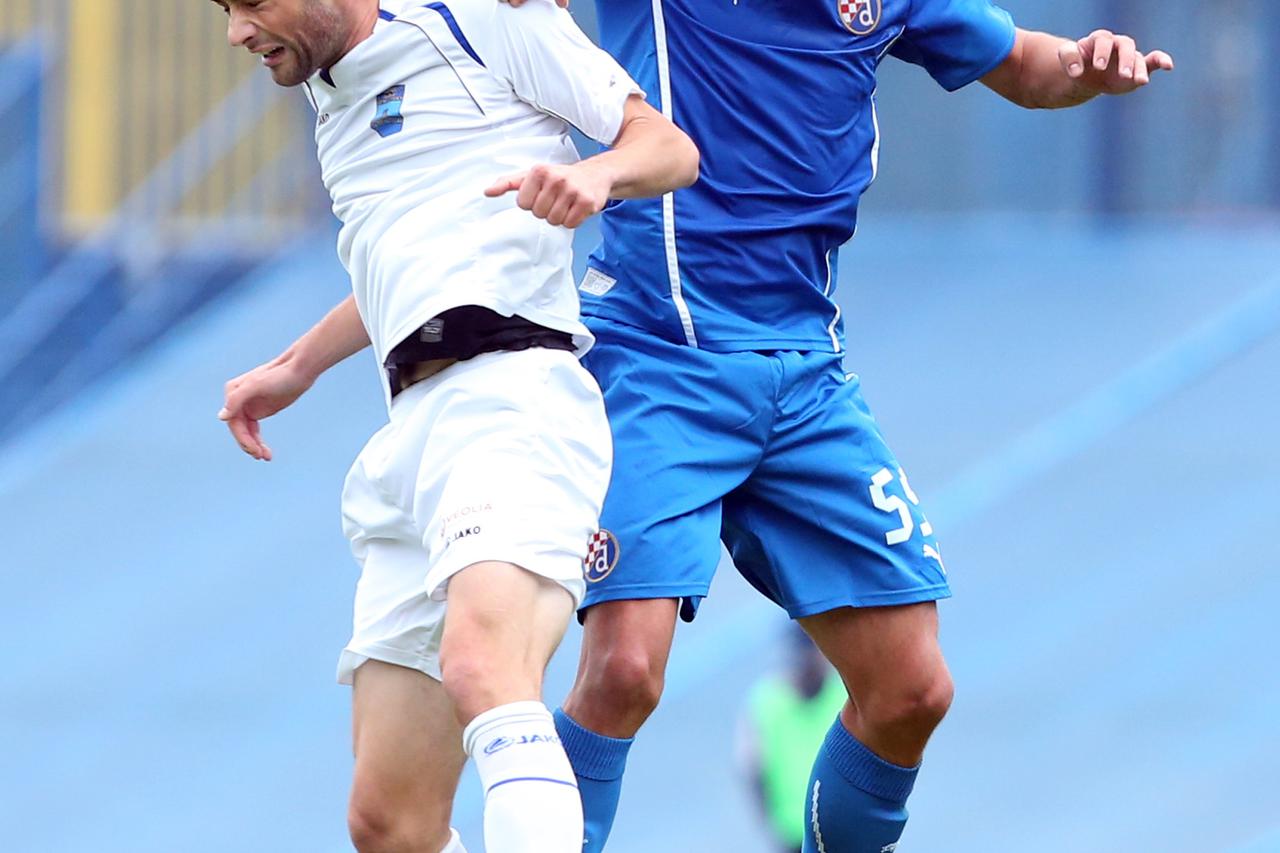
875 145
831 329
875 170
875 117
668 200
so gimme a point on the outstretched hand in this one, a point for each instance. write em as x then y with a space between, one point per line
258 394
1111 64
562 195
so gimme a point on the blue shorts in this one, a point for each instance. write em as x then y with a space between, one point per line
776 454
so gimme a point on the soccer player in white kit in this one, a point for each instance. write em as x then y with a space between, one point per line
470 512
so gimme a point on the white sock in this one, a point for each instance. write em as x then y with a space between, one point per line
455 843
531 802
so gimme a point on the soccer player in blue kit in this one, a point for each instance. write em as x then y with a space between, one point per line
720 354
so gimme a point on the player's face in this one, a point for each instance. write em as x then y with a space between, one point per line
294 38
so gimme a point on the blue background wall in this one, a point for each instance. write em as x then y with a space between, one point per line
1069 326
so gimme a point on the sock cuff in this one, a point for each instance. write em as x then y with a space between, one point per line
593 756
512 712
865 770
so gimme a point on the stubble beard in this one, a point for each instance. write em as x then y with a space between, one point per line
318 43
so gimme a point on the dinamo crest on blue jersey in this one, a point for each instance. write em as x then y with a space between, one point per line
602 556
388 119
860 17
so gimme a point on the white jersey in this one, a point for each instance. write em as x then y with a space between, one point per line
417 120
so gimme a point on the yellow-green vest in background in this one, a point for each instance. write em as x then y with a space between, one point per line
791 729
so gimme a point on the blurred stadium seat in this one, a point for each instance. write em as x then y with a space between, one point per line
150 170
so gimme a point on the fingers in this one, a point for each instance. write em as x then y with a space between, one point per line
247 434
504 185
531 187
1103 44
554 194
561 209
1116 58
244 429
235 399
1158 60
1140 75
547 195
1126 54
1072 58
550 190
255 430
579 214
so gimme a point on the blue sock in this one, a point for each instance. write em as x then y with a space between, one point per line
857 801
598 762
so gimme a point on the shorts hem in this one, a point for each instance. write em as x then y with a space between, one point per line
644 592
354 656
880 599
445 568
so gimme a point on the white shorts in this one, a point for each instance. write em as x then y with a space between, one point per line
502 457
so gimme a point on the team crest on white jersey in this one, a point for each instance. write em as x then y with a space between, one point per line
388 120
860 17
602 556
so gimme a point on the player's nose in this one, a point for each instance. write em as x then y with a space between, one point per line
239 29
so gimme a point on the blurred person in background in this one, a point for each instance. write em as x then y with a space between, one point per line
471 512
787 717
720 353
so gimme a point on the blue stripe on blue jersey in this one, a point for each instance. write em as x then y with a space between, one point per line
456 30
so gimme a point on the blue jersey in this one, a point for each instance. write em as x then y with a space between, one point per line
779 95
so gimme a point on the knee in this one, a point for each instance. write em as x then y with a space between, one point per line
629 681
477 682
913 707
379 824
376 828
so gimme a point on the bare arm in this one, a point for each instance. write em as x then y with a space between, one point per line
271 387
650 157
1047 72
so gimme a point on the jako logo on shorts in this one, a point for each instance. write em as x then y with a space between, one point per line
499 744
459 534
602 556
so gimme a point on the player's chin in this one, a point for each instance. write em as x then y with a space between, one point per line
289 72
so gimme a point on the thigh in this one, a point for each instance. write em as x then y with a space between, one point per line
622 668
829 518
879 651
408 749
502 626
639 631
688 426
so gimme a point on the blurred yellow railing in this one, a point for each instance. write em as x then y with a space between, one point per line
133 80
